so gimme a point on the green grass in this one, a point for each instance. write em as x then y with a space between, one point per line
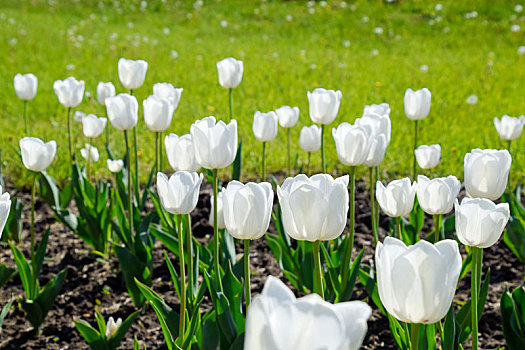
283 60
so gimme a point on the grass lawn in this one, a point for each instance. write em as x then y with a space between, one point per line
370 50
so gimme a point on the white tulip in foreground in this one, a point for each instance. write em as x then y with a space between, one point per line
417 283
168 92
69 91
247 209
115 165
132 73
437 196
276 320
37 155
417 103
90 153
157 113
324 105
112 326
315 208
288 116
181 152
265 126
480 222
25 86
310 138
230 72
352 143
509 128
220 212
179 194
428 157
5 207
486 172
397 198
105 90
92 126
122 111
215 143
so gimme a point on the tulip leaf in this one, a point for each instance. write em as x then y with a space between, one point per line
354 272
116 338
237 164
25 272
6 274
450 336
13 225
5 311
210 331
174 276
514 236
100 322
90 334
513 315
134 267
39 255
466 266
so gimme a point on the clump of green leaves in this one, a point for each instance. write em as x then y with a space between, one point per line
513 317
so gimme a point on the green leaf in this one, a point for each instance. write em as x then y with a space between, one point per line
100 322
6 274
5 311
26 275
13 225
449 339
89 333
39 255
132 267
174 276
512 307
237 164
354 272
119 334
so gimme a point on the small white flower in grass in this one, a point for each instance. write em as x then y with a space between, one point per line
378 30
518 8
515 28
424 68
521 50
224 23
472 99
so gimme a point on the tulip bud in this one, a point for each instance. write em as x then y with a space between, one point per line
480 222
324 218
230 72
112 327
277 320
26 86
90 153
324 105
105 90
37 155
181 152
247 209
417 103
5 207
288 116
486 173
377 150
382 109
132 73
69 92
220 212
428 157
122 111
215 143
379 124
310 138
265 126
417 283
115 165
437 196
179 194
352 143
92 126
397 198
509 128
168 92
157 113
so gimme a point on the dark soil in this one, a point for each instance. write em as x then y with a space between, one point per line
93 283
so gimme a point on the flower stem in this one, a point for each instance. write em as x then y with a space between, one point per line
247 290
414 172
130 193
189 250
182 317
376 205
231 109
263 163
509 185
474 287
161 154
373 206
157 152
107 129
414 336
136 160
350 241
318 273
33 190
323 163
308 166
90 140
398 227
435 218
216 229
25 117
69 134
288 151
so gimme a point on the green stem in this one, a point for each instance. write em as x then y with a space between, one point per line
88 160
182 317
25 117
308 166
398 227
157 169
474 286
189 250
263 163
161 154
130 193
136 160
107 128
435 218
288 151
231 109
323 164
247 290
33 190
318 273
376 205
373 206
509 186
216 229
414 336
69 134
414 152
350 242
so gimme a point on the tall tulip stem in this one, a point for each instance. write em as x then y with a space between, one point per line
161 154
398 227
182 317
157 151
107 131
308 164
475 280
90 140
136 159
318 272
216 229
288 151
231 109
25 117
247 289
509 185
436 227
69 134
376 205
414 172
323 163
33 190
130 193
263 162
189 250
414 336
350 241
373 206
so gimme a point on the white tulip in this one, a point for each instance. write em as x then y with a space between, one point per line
115 165
437 196
220 212
416 284
157 113
179 194
324 105
69 91
381 109
112 327
132 73
417 103
26 86
105 90
486 173
90 153
123 111
265 126
78 116
379 124
288 116
167 91
37 155
230 72
352 143
376 152
509 128
92 126
428 157
181 152
5 208
310 138
397 198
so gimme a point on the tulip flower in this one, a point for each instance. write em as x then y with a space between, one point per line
122 111
92 126
352 143
417 283
382 109
181 152
132 73
105 90
90 154
265 130
396 199
220 215
323 106
486 173
379 124
277 320
417 107
115 166
112 326
157 115
323 219
310 141
25 88
230 75
509 128
428 157
5 207
288 117
168 92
